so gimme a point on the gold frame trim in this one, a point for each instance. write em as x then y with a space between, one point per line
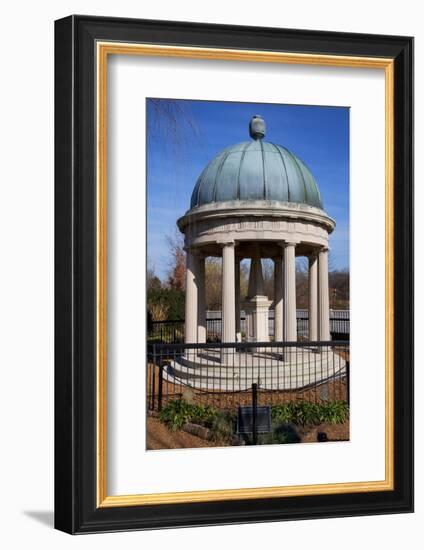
103 50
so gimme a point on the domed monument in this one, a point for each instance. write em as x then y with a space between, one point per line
256 200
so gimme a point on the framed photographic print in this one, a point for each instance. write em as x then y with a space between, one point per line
233 274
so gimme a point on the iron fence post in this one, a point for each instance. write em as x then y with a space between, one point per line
160 387
153 375
255 413
348 381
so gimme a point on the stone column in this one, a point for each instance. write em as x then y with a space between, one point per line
228 293
237 291
278 299
290 325
323 296
191 298
201 300
313 297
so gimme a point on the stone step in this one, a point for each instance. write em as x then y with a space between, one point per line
282 376
285 384
271 369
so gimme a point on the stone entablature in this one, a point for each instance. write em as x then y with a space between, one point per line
246 210
256 230
257 221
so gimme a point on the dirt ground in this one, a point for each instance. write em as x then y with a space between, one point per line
334 432
160 437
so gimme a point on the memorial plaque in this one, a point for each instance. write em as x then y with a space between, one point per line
245 420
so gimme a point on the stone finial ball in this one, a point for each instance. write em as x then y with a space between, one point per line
257 127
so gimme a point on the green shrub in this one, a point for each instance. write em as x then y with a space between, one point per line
281 433
178 412
173 299
311 414
223 425
337 412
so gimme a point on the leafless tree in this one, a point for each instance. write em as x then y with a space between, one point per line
213 275
170 122
177 261
152 280
268 274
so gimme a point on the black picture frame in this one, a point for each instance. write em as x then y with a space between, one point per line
76 509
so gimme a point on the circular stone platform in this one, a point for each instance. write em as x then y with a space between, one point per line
282 369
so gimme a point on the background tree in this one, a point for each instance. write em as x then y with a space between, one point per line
177 265
339 289
165 301
169 123
244 278
213 273
268 274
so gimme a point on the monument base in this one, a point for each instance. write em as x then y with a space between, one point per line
280 369
257 325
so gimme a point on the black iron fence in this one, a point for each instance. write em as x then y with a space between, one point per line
222 375
173 331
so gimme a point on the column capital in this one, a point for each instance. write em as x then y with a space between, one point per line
323 249
292 242
228 242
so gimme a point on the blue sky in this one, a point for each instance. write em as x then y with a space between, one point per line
183 136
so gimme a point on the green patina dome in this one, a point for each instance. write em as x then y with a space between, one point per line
256 170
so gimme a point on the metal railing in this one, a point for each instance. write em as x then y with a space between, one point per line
173 331
222 374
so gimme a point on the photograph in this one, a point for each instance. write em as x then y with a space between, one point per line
247 283
233 273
